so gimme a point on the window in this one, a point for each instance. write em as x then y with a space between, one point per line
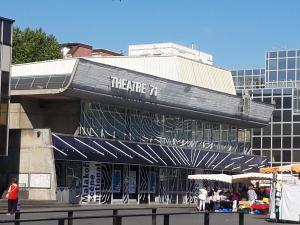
267 130
296 156
276 129
276 156
286 142
286 156
267 154
273 76
296 142
281 64
277 116
291 75
273 64
272 54
256 142
287 115
276 142
277 102
287 103
281 75
287 129
281 54
296 127
291 63
291 53
266 142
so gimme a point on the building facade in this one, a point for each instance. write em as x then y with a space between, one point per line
110 134
5 64
276 84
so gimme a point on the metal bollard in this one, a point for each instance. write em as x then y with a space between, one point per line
17 217
206 218
241 218
154 216
118 220
70 219
115 213
61 222
167 219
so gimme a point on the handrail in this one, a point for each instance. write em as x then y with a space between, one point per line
98 209
117 219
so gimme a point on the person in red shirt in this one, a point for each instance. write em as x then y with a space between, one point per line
12 196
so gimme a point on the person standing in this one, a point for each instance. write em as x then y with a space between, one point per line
12 197
234 198
202 198
252 196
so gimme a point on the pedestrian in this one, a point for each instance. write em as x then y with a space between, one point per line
202 198
252 196
235 197
12 197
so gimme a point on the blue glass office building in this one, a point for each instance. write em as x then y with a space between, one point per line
278 84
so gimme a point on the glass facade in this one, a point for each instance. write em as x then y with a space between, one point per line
280 141
113 122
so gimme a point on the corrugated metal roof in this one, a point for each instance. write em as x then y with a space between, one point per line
51 67
175 68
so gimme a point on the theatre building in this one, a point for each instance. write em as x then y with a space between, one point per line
126 129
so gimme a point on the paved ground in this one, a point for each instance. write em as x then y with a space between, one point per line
195 219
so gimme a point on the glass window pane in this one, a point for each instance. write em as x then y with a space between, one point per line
298 74
287 103
282 64
266 142
282 75
296 156
296 128
272 54
256 142
286 156
296 142
256 152
286 142
287 129
256 131
276 142
276 156
282 54
241 72
277 102
291 53
291 75
273 64
273 76
291 63
287 115
267 154
277 116
234 73
276 129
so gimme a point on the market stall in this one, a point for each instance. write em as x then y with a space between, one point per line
285 190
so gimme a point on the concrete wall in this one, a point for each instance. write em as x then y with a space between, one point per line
59 116
30 152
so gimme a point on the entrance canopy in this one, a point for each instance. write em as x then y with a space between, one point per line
68 147
286 168
213 177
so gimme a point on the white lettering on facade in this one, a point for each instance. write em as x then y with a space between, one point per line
132 86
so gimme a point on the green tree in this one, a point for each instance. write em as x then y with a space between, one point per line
34 45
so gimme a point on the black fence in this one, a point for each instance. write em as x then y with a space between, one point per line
116 217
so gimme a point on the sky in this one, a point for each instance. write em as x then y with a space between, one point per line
236 32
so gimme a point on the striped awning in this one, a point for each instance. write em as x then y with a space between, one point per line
124 152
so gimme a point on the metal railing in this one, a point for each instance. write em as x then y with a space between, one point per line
116 217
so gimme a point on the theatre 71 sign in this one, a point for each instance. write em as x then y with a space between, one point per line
133 86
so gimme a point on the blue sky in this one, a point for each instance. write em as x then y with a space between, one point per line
236 32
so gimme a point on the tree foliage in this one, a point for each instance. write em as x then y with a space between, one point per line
34 45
